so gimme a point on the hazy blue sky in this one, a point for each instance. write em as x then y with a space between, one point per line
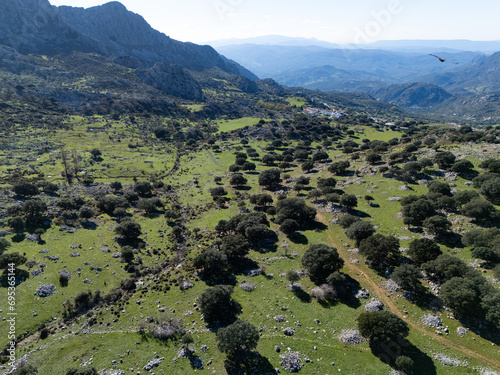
331 20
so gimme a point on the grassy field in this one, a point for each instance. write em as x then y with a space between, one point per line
114 342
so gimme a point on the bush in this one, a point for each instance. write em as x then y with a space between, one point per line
461 295
479 209
17 224
143 188
464 196
320 261
487 254
416 212
238 180
64 277
128 229
347 220
25 189
404 363
348 200
445 267
4 245
86 212
444 159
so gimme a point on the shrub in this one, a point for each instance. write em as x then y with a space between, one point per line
128 229
406 276
270 177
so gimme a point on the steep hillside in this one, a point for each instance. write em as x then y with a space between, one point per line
413 95
33 26
481 75
127 34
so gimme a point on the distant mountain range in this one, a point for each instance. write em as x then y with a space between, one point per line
399 72
409 45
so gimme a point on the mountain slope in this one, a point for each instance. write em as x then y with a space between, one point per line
127 34
481 75
33 26
413 95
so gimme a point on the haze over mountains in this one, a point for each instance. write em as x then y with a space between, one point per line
399 72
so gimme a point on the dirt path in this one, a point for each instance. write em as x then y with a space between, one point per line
213 158
382 296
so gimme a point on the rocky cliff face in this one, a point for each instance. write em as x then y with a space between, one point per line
33 26
125 33
171 79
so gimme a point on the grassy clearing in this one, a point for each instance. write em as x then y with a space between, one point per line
226 126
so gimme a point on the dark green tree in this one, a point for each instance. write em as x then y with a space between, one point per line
238 180
380 250
217 304
237 338
423 250
461 295
296 209
128 229
270 177
438 225
320 261
407 276
445 267
382 326
359 231
479 209
444 159
349 200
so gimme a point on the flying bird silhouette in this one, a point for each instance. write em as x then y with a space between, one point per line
443 60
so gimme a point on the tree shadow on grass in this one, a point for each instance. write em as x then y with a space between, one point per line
315 225
298 238
388 352
247 364
451 240
19 237
302 295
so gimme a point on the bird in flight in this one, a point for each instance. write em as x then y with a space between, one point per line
443 60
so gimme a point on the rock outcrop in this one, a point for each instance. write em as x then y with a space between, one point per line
171 79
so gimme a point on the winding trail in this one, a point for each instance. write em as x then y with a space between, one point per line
382 296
